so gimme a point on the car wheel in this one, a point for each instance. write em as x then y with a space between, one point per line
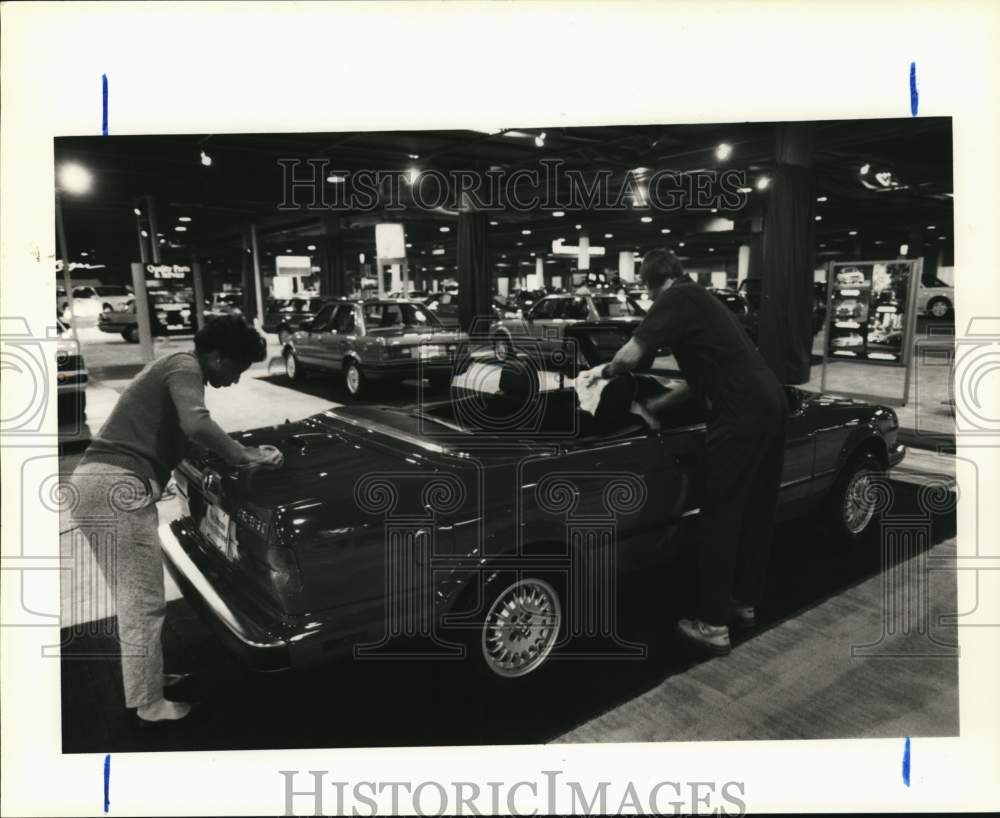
354 379
131 334
939 308
521 626
854 499
293 368
501 347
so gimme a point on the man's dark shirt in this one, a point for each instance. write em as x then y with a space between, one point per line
714 353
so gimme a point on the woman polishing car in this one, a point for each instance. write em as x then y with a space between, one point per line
121 476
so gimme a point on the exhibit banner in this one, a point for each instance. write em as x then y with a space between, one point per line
871 317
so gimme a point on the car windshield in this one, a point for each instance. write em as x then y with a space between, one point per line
109 291
616 306
382 315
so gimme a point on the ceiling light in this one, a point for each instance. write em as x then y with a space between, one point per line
865 168
408 245
852 233
437 251
520 244
311 247
930 227
163 241
438 269
819 218
144 233
525 232
289 250
646 219
579 227
711 249
74 178
361 258
183 218
821 198
494 224
412 175
206 160
540 140
137 211
664 230
763 182
904 249
558 214
445 229
942 237
335 179
715 210
180 228
83 254
724 151
744 190
609 235
532 255
680 244
414 156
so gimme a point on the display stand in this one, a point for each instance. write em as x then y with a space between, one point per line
871 322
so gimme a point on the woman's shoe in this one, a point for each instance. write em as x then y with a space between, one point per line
711 638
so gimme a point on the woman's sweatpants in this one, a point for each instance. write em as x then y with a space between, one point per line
115 510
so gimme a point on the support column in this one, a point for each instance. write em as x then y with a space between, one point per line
789 251
583 253
199 292
539 272
742 264
626 265
246 276
153 238
258 287
331 257
474 272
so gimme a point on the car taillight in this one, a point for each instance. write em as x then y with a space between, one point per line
257 525
284 569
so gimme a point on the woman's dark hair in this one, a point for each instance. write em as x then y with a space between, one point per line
659 265
232 338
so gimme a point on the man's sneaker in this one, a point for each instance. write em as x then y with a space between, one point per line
743 615
713 638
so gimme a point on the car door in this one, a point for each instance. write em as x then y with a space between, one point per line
341 338
308 342
540 318
800 454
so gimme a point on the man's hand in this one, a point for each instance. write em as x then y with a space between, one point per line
267 456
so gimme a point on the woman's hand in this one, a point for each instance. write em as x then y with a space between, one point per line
263 456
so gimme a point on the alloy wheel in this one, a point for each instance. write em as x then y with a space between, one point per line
521 627
858 506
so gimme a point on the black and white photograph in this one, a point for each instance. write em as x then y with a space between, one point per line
602 434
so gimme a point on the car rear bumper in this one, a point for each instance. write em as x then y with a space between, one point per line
260 638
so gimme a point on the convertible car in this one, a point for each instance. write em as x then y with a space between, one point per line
500 525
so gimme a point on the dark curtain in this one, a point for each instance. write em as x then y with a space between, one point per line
474 276
246 276
789 257
332 266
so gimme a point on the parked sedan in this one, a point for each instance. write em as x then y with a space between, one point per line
286 315
169 313
458 523
546 321
373 339
935 298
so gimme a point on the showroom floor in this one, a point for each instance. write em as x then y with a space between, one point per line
822 601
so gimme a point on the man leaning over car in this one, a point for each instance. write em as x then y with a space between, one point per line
746 410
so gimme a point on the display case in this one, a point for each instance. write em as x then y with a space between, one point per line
870 319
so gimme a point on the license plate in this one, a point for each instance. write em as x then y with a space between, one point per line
431 351
217 528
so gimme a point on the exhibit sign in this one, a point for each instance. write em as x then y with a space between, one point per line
871 316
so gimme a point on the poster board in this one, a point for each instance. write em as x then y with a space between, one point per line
870 322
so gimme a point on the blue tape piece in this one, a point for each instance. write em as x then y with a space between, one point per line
107 782
914 94
906 762
104 95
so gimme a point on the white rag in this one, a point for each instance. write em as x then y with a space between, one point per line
589 386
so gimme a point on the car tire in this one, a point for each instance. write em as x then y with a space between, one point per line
131 334
520 624
853 505
939 308
354 379
502 347
293 367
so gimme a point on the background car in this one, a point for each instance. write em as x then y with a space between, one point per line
291 567
90 300
445 306
373 339
228 302
546 321
71 377
284 316
169 313
935 298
